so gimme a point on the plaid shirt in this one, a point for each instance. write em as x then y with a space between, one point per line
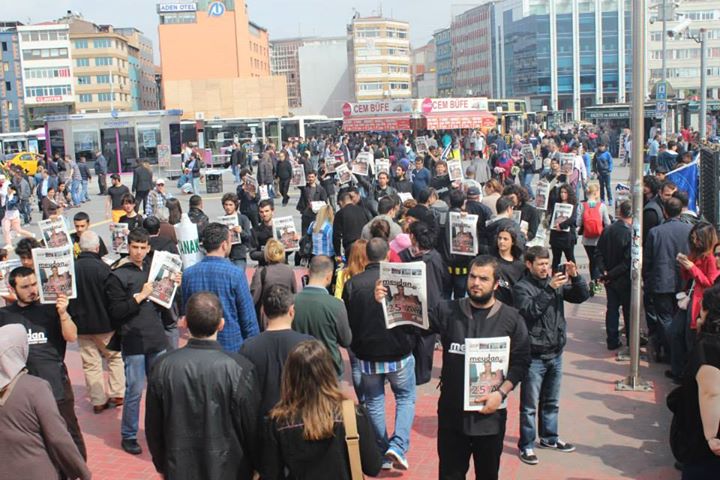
228 282
155 205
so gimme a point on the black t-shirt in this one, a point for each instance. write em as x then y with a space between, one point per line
132 223
509 274
268 352
116 194
47 345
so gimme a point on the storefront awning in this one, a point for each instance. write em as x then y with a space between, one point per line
386 123
457 120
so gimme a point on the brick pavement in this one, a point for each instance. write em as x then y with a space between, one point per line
618 435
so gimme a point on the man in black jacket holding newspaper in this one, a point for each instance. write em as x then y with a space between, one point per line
480 433
540 297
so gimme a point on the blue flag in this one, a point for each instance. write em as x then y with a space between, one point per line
686 179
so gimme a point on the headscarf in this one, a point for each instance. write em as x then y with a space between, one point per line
13 352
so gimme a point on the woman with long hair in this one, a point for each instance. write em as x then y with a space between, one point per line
563 237
509 257
699 270
356 264
321 230
305 432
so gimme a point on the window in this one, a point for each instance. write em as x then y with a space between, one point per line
399 86
368 32
103 61
102 43
102 79
8 86
85 97
83 80
371 86
45 91
81 44
49 72
6 66
82 62
4 46
42 53
106 97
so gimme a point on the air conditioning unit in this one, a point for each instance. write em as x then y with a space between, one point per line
199 115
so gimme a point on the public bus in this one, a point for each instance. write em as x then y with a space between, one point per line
512 114
31 141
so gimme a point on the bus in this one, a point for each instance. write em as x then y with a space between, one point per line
512 114
306 126
31 141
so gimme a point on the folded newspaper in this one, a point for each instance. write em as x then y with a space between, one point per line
162 269
54 232
486 368
406 302
119 237
285 232
231 221
55 272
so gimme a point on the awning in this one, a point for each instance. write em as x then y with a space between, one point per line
380 123
457 120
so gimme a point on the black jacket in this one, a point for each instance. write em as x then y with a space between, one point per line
163 244
89 309
652 216
199 218
304 204
437 277
238 157
371 339
283 446
454 321
141 326
661 272
142 180
543 309
613 254
531 215
202 411
562 239
484 214
347 227
239 251
284 170
260 235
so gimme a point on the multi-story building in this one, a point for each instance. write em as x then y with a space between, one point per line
379 58
101 67
471 37
12 102
284 61
324 86
563 54
424 78
47 71
682 55
140 55
444 62
216 62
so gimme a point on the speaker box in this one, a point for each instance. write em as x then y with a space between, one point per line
709 195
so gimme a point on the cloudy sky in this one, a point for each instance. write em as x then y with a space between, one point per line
288 18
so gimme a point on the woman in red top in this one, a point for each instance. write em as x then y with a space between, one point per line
699 269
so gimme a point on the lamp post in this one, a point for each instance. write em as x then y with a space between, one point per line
701 38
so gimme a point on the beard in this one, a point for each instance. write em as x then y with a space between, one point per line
481 299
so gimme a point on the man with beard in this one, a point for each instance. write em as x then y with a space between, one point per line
479 315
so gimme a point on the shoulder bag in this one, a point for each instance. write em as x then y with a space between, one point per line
352 439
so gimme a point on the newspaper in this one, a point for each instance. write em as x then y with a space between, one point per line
231 221
315 206
463 234
264 192
298 176
455 170
542 194
540 238
517 217
621 148
486 367
55 271
5 268
561 213
567 162
251 185
382 165
331 164
405 196
343 173
285 232
54 232
164 266
406 302
421 144
119 237
361 165
528 153
621 195
110 258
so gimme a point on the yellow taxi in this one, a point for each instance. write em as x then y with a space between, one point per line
28 161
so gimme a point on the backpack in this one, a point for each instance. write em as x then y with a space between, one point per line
591 220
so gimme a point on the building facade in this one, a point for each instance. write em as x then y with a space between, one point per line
284 61
12 96
424 71
140 55
683 54
444 62
563 54
47 71
379 58
324 86
472 47
227 74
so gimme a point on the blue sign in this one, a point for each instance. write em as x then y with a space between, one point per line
114 113
661 91
216 9
661 108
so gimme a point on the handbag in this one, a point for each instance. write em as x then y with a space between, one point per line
352 439
684 298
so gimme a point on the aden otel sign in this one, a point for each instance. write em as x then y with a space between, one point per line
176 7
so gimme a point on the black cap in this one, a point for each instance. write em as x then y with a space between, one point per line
473 192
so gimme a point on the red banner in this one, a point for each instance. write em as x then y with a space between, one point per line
376 123
453 121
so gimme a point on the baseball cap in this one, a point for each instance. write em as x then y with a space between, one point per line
160 181
661 169
473 192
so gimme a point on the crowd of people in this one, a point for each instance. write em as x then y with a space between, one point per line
256 388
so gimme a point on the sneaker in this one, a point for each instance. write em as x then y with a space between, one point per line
559 445
528 456
398 460
387 464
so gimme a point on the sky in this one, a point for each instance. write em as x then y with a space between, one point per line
283 19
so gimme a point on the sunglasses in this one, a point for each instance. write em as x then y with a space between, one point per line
717 254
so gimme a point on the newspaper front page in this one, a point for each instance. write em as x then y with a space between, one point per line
406 302
54 232
162 269
119 237
55 272
486 367
463 234
285 232
561 213
231 221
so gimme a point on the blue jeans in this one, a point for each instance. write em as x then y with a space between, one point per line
137 367
84 195
236 173
356 376
527 183
76 191
540 387
402 384
605 187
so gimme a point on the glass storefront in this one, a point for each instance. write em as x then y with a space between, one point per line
148 137
86 143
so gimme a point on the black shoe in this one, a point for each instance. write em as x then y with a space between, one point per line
131 446
614 346
559 445
675 378
528 456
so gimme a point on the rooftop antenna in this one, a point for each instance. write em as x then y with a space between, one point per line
380 9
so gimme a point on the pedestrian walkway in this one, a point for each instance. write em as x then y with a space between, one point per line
618 435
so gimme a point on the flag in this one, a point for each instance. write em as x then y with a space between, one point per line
686 179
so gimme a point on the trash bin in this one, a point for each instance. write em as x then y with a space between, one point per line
213 182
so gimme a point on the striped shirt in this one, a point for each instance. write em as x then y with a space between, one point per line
375 368
322 240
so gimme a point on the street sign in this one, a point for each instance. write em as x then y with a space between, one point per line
661 91
661 109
